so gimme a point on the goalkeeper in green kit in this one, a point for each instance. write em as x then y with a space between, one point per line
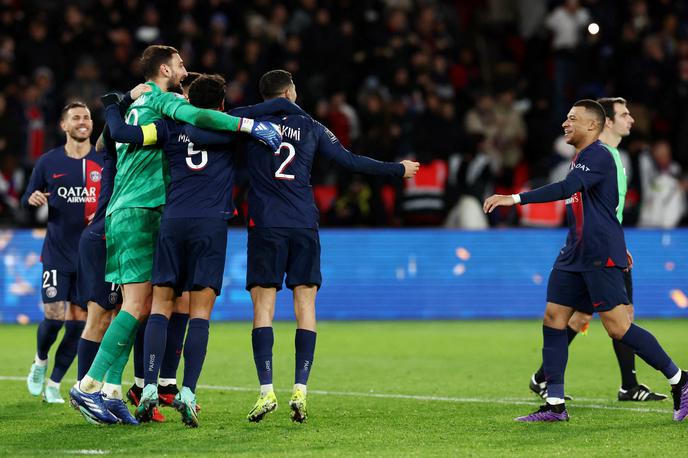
133 218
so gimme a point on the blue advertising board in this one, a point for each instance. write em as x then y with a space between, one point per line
405 274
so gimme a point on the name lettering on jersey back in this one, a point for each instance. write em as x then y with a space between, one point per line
582 167
291 133
183 138
78 195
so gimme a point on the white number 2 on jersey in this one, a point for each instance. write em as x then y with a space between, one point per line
192 152
279 174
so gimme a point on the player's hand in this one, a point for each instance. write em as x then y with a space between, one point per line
38 198
497 200
410 168
266 132
629 260
139 90
111 98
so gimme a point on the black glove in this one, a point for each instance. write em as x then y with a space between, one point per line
111 98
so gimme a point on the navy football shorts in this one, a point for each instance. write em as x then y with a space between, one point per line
274 252
190 254
91 284
595 291
58 285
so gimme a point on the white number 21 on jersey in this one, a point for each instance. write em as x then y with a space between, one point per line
279 174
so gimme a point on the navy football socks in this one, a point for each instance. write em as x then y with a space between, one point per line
555 354
86 352
194 351
138 350
304 342
647 347
263 340
154 347
66 352
176 329
46 336
626 357
540 374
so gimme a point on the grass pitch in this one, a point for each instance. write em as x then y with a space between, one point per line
378 389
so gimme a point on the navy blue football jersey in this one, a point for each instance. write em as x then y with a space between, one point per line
198 181
74 186
200 178
280 194
595 237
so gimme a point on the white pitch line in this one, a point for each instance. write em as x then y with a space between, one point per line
413 397
87 452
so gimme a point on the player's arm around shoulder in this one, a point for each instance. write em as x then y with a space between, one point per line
205 118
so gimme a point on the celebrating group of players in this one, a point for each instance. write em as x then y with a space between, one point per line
150 206
145 213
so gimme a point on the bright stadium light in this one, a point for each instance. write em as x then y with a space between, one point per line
593 28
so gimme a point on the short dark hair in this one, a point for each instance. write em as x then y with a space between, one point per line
274 83
208 91
70 105
153 57
608 105
595 108
190 78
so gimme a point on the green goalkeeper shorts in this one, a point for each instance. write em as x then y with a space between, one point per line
131 235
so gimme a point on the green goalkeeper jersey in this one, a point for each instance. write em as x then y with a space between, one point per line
621 180
142 170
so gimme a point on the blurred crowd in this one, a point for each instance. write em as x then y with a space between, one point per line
476 90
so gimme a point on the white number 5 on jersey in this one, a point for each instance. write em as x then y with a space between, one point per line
191 152
279 174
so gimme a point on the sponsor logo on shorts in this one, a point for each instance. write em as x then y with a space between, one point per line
95 176
51 292
112 297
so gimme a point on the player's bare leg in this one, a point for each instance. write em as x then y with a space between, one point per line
304 341
618 324
262 338
200 306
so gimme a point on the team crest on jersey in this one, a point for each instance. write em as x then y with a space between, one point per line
95 176
113 298
51 292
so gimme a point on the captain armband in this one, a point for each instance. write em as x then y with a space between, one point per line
150 134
